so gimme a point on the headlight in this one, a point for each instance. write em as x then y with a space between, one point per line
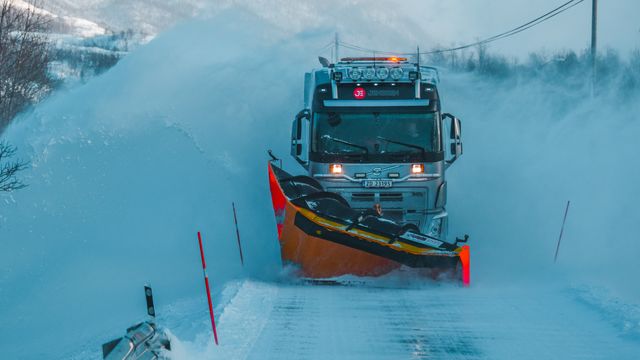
369 73
396 73
435 228
382 73
417 168
355 74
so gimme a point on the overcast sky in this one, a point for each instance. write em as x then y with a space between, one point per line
404 23
467 20
429 23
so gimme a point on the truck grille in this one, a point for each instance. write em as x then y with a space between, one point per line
371 197
390 197
363 197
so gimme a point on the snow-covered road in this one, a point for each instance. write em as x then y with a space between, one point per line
414 321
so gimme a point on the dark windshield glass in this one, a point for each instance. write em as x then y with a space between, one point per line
375 133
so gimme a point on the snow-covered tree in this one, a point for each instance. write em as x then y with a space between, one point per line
23 57
9 169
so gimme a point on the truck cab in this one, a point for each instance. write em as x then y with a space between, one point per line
372 131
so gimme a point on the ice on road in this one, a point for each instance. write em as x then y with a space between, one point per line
301 321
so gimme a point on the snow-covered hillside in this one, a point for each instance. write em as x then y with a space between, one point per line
66 24
126 169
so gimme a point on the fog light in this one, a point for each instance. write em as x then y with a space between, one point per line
435 228
335 168
417 168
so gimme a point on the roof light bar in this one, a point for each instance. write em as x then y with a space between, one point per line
394 59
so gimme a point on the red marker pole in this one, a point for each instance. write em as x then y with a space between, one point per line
206 283
235 219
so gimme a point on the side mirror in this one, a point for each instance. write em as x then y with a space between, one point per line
455 137
324 61
297 136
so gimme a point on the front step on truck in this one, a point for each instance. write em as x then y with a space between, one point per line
375 147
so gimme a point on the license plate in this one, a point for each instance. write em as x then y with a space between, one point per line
377 183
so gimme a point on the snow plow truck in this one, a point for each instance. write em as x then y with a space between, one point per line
375 147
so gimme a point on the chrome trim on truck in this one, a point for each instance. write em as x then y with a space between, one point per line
419 177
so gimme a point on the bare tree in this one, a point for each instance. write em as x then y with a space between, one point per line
10 168
24 57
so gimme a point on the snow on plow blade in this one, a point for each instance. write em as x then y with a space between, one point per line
322 234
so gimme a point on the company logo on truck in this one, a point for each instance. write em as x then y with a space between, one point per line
359 93
384 92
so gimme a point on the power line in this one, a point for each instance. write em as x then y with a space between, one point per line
560 9
540 19
330 44
521 28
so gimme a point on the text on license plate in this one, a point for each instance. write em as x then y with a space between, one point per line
377 183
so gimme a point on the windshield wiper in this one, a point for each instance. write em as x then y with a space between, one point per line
329 137
422 150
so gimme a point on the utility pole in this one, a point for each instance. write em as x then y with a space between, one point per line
336 43
594 28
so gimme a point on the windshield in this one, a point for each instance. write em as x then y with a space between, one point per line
376 134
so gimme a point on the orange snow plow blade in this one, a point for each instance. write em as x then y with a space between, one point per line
319 232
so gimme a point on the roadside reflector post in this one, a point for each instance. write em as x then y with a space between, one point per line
148 294
564 220
206 283
235 220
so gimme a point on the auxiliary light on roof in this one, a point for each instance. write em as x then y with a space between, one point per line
382 73
369 73
396 73
355 74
